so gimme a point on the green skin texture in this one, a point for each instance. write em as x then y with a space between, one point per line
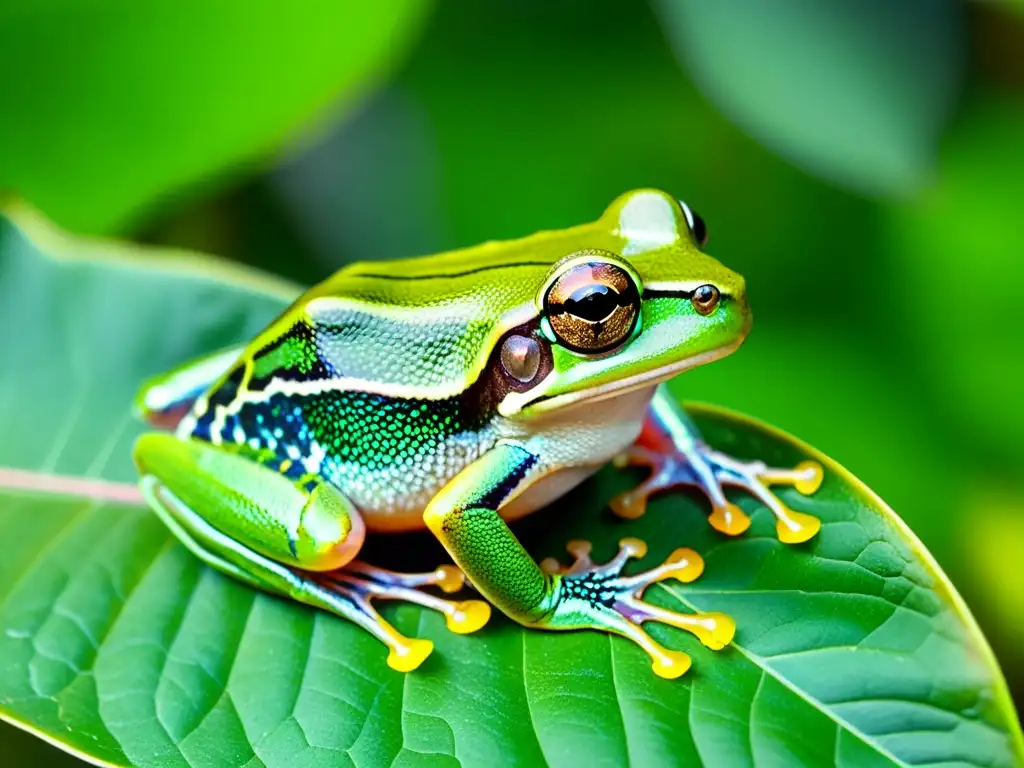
236 485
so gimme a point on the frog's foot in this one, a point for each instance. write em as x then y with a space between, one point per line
363 583
709 470
602 597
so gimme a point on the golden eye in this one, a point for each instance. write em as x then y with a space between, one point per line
593 306
705 299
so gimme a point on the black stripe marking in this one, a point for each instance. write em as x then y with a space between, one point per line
441 275
493 498
317 368
661 294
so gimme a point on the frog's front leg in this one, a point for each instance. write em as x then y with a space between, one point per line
293 537
672 448
464 517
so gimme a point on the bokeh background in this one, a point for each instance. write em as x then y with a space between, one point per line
861 162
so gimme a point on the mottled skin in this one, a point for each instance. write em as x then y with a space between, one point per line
459 391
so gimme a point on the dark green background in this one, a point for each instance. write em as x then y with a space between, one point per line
861 163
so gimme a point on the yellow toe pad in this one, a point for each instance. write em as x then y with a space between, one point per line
629 505
729 519
409 655
468 616
671 664
796 527
684 564
715 630
450 578
815 474
634 547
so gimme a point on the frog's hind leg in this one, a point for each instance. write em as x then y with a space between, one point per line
347 592
294 537
672 450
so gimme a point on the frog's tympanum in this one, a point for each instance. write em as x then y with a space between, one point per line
455 393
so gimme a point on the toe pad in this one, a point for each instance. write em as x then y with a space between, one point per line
729 519
671 664
797 528
410 655
469 616
815 474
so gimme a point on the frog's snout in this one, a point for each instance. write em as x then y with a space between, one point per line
737 289
737 292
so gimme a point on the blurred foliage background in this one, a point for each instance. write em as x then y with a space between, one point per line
861 162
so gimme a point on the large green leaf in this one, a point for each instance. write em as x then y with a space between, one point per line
854 91
114 641
161 94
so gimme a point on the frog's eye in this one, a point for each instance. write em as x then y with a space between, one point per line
592 306
698 228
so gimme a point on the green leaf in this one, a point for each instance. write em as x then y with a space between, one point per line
114 641
110 105
852 91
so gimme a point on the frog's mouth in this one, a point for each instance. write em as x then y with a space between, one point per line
520 403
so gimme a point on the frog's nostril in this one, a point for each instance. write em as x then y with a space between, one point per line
705 299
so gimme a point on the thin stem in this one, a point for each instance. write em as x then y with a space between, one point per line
63 485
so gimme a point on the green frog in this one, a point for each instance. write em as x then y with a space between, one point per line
458 392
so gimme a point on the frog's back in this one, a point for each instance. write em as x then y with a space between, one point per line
374 379
423 326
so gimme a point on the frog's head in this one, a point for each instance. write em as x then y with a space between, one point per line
636 304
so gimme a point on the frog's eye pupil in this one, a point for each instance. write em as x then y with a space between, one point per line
592 302
593 305
700 231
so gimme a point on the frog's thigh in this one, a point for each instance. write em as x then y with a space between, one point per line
312 527
256 525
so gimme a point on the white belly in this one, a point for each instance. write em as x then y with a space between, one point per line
575 443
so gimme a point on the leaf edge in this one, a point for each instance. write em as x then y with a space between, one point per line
1001 688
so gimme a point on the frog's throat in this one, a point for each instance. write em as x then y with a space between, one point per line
519 405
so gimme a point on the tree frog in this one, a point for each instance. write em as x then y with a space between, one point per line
456 393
